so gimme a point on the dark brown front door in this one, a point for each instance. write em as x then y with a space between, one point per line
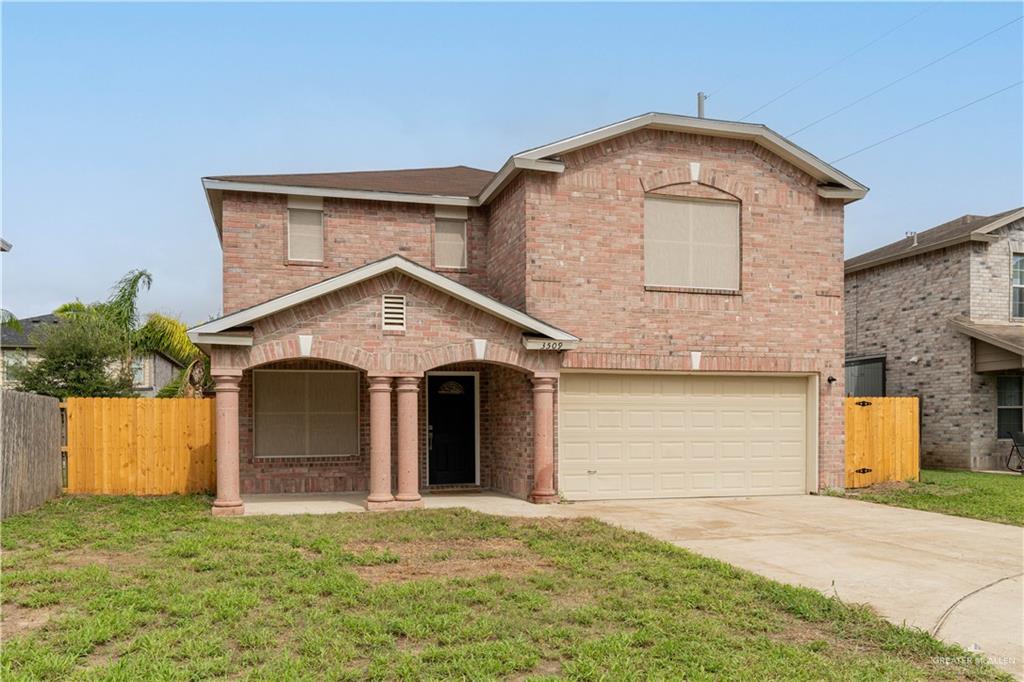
451 428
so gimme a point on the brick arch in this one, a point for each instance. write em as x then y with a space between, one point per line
721 181
288 349
496 353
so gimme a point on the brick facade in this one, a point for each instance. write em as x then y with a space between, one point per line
901 310
568 249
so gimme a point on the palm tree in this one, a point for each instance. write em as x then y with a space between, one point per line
160 333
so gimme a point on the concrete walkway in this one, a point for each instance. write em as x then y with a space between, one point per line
957 578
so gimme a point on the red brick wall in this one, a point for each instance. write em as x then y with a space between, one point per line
585 267
255 244
507 255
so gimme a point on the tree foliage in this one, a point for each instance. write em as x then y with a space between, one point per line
79 358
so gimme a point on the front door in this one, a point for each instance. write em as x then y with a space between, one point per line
451 428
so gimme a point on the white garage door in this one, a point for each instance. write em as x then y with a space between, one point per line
641 435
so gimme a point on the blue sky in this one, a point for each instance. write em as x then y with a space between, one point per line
112 113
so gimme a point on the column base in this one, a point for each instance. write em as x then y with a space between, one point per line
228 509
543 497
393 505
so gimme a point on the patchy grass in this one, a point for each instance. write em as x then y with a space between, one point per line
109 588
977 495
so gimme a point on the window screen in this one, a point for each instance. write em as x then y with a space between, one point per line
450 243
692 243
1010 406
306 413
866 377
305 234
1017 286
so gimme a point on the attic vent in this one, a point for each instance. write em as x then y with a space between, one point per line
393 311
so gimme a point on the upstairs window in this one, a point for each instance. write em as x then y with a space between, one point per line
306 229
691 243
450 237
1017 285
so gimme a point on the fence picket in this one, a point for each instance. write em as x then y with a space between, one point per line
883 437
140 446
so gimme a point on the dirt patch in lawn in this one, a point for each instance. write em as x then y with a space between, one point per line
81 558
449 559
19 620
878 488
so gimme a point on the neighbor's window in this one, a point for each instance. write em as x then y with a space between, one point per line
305 229
1010 405
691 243
1017 285
138 372
865 377
306 413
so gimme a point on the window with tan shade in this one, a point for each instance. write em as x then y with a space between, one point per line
450 243
305 234
692 243
306 413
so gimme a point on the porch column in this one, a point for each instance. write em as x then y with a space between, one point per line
380 444
543 440
228 501
408 442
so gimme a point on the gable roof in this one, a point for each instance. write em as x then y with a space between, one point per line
12 338
464 186
207 332
963 229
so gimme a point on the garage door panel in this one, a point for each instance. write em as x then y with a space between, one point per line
636 436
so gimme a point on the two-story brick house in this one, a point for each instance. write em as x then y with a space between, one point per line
940 314
650 309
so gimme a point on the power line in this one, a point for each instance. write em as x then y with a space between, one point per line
838 62
905 77
931 120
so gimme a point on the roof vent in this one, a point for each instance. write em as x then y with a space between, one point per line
912 235
393 312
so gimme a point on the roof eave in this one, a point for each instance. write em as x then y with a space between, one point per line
981 335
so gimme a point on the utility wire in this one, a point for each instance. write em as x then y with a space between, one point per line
838 62
905 76
931 120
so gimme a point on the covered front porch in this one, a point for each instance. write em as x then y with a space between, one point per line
302 426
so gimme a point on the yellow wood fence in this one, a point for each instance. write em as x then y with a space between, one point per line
882 441
140 446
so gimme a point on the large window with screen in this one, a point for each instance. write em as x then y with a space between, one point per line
306 413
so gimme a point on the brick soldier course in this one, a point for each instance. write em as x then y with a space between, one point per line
560 239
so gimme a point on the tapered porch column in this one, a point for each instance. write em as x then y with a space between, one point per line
380 444
228 501
408 389
543 440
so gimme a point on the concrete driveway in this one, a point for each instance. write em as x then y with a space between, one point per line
958 579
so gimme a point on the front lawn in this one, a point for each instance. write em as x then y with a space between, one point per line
989 497
140 589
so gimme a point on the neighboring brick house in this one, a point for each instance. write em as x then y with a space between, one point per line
650 309
940 315
150 371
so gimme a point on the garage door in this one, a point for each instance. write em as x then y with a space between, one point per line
627 436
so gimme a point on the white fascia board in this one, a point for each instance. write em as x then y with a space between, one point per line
219 339
764 136
435 199
826 192
511 169
1002 222
371 270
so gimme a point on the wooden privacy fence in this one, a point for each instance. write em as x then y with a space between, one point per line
140 446
882 441
30 471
